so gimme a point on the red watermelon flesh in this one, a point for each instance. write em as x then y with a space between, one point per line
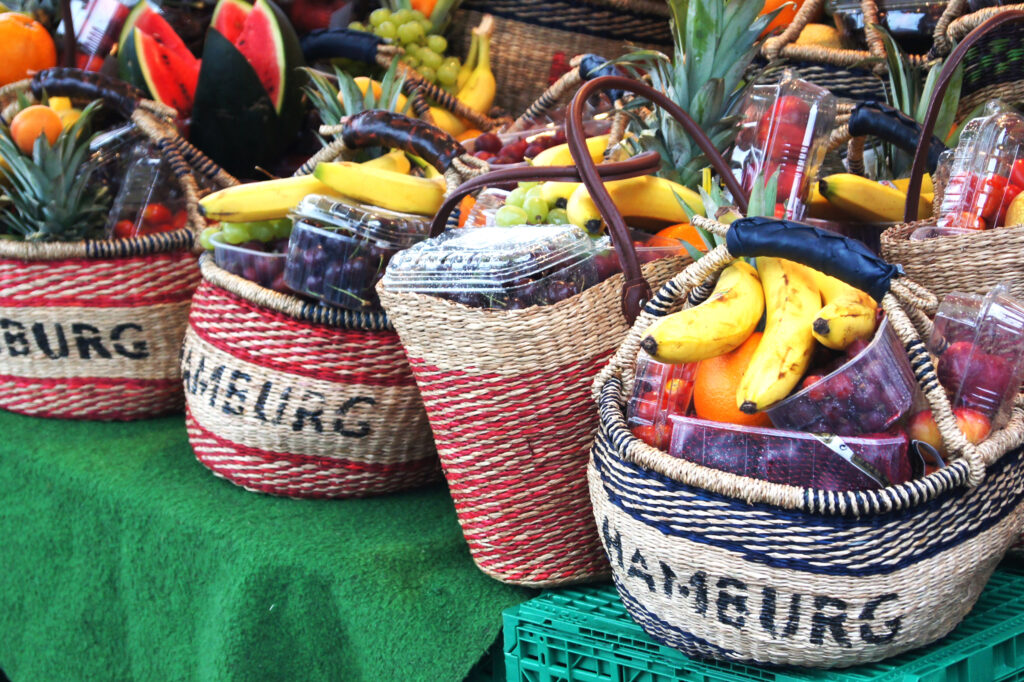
171 77
229 18
155 26
261 44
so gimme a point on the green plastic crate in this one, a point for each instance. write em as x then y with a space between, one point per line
585 635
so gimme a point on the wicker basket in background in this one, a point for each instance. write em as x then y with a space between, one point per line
528 34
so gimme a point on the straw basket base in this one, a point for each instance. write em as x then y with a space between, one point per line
93 398
290 407
290 475
94 338
717 577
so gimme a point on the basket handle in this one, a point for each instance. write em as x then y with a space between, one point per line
773 47
928 126
835 255
636 289
891 125
382 128
79 84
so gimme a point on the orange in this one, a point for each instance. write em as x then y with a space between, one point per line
684 232
465 206
470 134
715 384
31 122
784 17
25 47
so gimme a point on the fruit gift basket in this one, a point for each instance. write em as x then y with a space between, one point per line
291 395
977 237
504 328
746 568
93 326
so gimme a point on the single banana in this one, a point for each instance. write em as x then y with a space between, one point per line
480 88
926 184
395 160
791 302
383 188
466 70
716 326
559 155
646 196
266 200
848 313
866 199
557 193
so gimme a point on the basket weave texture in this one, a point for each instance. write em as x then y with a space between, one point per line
724 566
294 399
507 394
528 34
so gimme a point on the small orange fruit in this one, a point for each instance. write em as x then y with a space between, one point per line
31 122
784 17
25 47
715 384
684 232
470 134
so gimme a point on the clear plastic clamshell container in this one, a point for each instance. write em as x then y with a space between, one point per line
793 457
659 391
987 172
499 267
339 249
265 268
978 342
785 128
870 393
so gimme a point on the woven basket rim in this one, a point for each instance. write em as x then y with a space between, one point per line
900 233
131 247
288 304
901 496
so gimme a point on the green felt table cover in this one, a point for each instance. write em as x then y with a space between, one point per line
123 558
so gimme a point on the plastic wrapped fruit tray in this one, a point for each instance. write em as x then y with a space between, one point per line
585 634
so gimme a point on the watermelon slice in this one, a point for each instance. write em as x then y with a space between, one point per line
170 75
154 57
262 45
229 18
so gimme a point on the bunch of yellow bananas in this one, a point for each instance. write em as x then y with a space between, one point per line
476 82
383 182
801 305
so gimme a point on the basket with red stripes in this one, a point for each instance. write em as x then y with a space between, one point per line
507 393
92 329
292 398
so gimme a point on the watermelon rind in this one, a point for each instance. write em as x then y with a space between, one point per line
233 120
295 77
150 22
262 44
127 60
226 17
129 23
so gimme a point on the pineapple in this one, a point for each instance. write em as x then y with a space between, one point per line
334 102
715 42
51 195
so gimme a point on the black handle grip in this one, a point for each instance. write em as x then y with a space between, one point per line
87 85
895 127
594 66
332 43
828 252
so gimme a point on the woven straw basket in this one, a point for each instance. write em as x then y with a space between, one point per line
850 74
297 399
528 34
733 568
305 400
507 396
971 263
92 329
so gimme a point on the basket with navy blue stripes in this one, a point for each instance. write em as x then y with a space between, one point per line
728 567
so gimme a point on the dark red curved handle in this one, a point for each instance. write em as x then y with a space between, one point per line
636 290
928 127
378 127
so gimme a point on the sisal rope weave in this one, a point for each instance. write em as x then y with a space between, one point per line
291 398
506 393
733 568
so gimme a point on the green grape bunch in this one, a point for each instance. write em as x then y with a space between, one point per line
424 51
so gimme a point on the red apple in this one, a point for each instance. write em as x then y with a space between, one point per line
974 425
